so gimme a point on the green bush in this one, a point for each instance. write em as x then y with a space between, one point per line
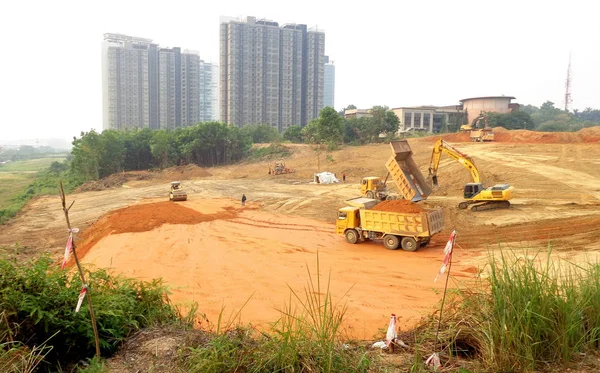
274 150
38 300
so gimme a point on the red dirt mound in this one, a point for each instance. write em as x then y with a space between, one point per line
399 205
585 135
143 218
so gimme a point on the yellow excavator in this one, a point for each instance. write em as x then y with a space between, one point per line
476 196
479 130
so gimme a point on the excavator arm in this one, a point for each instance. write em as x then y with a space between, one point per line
443 147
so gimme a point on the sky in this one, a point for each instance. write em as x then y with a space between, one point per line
394 53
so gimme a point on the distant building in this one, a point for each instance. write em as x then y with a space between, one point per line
497 104
329 86
145 86
270 74
427 118
435 118
357 113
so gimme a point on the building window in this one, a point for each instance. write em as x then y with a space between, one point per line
417 120
407 120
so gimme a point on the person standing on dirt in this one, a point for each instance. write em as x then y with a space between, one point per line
344 176
243 200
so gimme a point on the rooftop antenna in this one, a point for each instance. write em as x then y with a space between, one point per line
568 99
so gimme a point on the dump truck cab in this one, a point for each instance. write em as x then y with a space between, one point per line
348 218
370 186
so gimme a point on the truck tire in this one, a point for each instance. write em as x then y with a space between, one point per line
352 236
391 242
409 244
370 194
425 242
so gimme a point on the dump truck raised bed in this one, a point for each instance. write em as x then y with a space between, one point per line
362 221
405 174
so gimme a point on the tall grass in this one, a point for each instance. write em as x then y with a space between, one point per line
530 311
306 338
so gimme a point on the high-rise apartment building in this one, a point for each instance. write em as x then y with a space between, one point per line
329 83
145 86
270 74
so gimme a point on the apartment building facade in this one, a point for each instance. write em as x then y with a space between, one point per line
145 86
270 74
329 84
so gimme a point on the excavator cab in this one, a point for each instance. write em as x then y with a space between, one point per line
472 189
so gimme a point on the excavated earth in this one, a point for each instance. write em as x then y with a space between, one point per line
213 251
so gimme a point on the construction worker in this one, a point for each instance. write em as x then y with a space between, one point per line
344 176
243 200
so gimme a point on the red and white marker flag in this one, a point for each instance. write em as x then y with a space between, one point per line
68 247
81 296
391 332
448 252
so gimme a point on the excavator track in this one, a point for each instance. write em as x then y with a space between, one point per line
491 205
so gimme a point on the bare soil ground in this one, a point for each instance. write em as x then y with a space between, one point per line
228 254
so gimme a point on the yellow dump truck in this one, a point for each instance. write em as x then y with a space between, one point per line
358 222
405 174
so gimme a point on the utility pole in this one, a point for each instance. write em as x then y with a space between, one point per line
568 98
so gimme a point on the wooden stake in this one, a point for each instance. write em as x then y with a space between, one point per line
444 298
81 274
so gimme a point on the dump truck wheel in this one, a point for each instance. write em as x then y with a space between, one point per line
370 194
352 236
409 244
425 242
391 242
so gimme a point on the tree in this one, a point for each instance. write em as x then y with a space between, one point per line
86 155
261 133
160 147
513 121
327 129
385 121
349 107
112 153
293 134
56 168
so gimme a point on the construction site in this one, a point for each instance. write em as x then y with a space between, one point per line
379 235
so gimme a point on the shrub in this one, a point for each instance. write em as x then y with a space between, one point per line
38 300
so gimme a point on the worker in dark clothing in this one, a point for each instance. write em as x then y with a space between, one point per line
344 177
243 199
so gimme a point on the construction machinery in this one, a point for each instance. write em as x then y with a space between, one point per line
477 197
479 130
404 172
280 168
358 223
177 193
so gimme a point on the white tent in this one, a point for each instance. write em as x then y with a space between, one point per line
325 178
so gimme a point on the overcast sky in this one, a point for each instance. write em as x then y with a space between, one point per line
394 53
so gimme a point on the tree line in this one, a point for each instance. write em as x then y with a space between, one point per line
97 155
546 118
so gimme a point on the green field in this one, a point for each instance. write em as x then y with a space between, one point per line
16 176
